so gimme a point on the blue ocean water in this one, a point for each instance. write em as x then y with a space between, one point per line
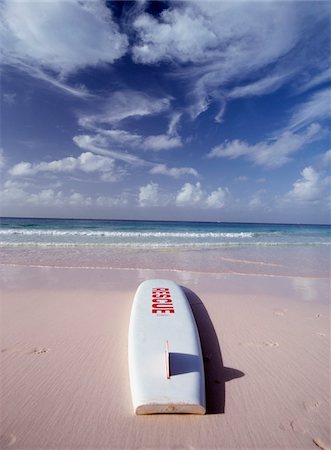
219 248
156 235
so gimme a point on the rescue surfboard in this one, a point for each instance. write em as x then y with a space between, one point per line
165 358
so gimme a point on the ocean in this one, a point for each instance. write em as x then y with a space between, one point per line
200 246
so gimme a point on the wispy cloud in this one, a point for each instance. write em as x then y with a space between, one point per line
99 145
270 154
316 108
260 87
123 105
174 172
223 44
316 80
38 38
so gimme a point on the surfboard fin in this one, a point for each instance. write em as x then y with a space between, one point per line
167 360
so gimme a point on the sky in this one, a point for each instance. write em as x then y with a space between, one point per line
180 110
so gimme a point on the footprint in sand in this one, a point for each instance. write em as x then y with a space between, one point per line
40 351
270 344
7 440
311 406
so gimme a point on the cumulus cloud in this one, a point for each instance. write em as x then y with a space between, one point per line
270 154
195 195
310 188
217 199
190 194
38 35
175 172
104 201
18 193
86 162
150 195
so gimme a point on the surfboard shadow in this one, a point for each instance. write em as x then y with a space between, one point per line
216 375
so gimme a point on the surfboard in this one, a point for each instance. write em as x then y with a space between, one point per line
165 358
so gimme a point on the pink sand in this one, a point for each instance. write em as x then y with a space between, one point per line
65 384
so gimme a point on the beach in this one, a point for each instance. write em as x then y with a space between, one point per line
260 295
65 383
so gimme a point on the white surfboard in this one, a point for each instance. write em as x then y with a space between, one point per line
165 358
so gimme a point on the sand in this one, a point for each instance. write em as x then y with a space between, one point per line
65 384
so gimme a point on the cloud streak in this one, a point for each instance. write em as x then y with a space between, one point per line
270 154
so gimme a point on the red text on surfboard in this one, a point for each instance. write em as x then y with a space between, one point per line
162 301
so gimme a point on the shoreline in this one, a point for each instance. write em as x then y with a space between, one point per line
65 376
311 262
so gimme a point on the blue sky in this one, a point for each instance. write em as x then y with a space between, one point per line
166 110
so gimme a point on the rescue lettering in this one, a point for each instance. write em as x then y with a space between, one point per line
162 301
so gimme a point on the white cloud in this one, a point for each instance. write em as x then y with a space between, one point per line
190 194
47 197
316 80
326 159
161 142
310 188
86 162
150 195
103 201
174 124
205 31
316 108
180 35
195 195
217 199
175 172
100 145
270 154
125 104
18 193
2 158
263 86
227 42
39 35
